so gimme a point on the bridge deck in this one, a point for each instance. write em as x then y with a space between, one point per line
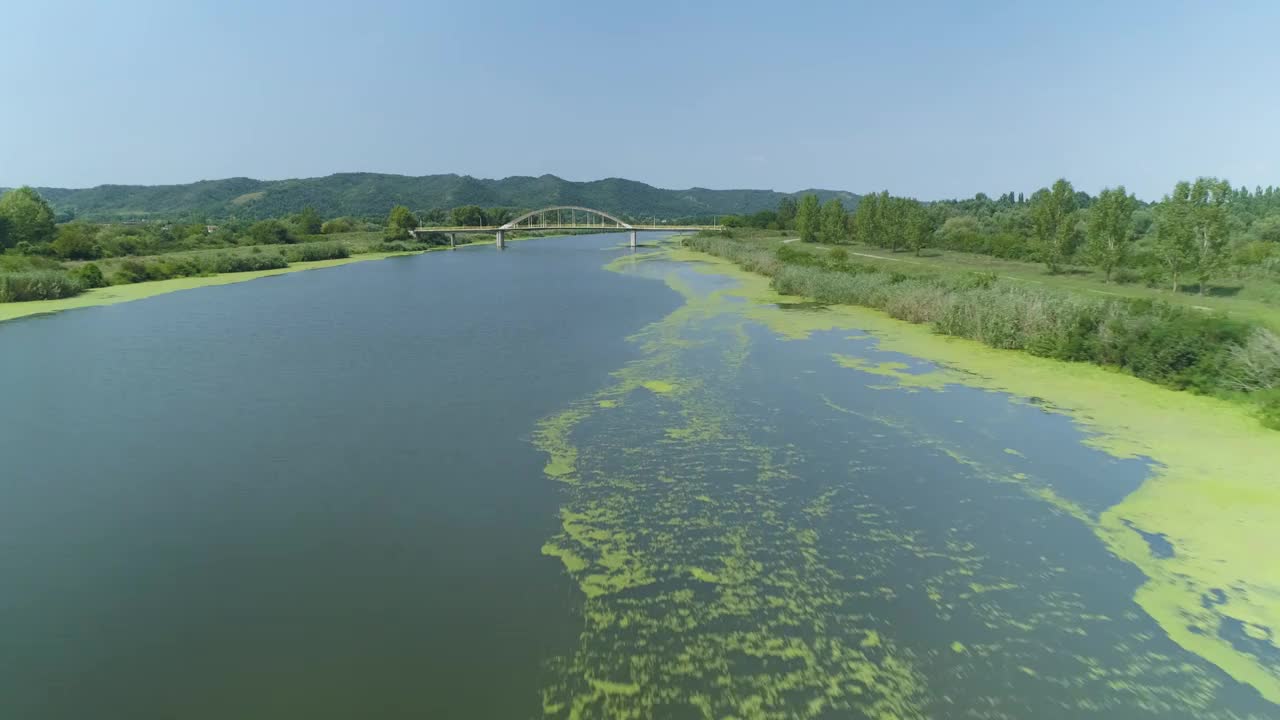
541 228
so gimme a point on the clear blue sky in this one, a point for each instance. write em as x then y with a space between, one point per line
930 99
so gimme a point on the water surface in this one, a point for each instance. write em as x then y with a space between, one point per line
514 484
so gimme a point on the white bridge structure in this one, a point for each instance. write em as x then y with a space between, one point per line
562 217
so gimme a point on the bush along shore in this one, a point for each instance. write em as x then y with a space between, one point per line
25 279
1177 347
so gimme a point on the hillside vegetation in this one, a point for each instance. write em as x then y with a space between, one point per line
369 195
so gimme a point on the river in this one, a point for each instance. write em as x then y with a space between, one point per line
565 480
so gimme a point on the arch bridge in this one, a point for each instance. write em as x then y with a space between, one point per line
562 217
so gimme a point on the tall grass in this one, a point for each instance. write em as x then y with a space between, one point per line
37 285
243 263
165 268
312 251
1171 345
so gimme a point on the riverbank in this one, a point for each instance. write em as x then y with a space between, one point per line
1173 346
114 294
1211 494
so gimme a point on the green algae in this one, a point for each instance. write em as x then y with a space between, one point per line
615 688
661 387
703 575
699 634
572 562
735 601
1212 492
933 380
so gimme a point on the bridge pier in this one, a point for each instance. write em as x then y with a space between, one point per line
633 238
452 243
502 239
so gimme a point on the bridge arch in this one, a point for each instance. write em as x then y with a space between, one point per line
512 225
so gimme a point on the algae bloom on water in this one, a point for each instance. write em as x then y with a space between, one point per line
802 544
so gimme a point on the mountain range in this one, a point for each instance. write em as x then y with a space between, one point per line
372 195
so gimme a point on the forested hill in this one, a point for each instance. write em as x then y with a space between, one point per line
371 195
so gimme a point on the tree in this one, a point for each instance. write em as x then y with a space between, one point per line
1209 232
896 217
1174 247
834 222
1265 229
308 221
77 241
868 219
807 218
467 215
1111 229
920 223
399 222
960 232
28 218
337 225
270 232
89 276
1051 216
497 216
786 213
765 220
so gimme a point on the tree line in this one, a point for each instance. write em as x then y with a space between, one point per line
28 227
42 258
1199 232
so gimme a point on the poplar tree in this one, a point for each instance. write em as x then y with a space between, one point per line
786 212
1174 246
1209 232
1110 233
835 222
1051 216
807 218
920 224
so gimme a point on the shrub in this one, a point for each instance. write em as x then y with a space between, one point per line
1009 246
89 275
77 241
19 263
130 271
1126 276
1255 364
270 232
401 247
838 256
337 225
1269 408
308 252
796 256
1175 346
37 285
226 263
